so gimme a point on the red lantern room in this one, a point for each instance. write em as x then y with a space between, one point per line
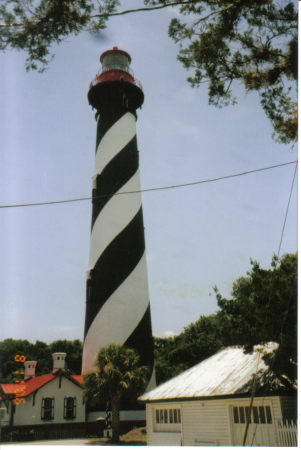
115 82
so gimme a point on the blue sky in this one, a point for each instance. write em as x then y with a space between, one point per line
196 237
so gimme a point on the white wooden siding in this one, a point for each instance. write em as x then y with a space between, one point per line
165 438
149 422
258 434
210 423
205 423
29 414
171 427
163 433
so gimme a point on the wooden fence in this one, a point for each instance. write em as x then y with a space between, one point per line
61 430
287 434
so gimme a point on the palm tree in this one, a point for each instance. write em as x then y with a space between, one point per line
119 372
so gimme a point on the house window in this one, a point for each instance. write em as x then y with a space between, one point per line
259 414
241 414
47 412
255 414
168 416
165 416
268 414
69 407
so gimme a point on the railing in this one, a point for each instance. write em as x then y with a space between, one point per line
96 79
287 434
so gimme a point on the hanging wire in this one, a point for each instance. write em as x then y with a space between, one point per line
286 213
266 315
174 186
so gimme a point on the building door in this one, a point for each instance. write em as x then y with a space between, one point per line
261 431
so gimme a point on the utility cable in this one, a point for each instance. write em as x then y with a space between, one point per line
286 213
284 316
210 180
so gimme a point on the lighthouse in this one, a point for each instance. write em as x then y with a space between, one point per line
117 298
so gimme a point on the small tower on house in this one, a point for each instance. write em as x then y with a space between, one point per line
117 303
29 369
58 361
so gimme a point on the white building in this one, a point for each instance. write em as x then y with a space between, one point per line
208 404
52 398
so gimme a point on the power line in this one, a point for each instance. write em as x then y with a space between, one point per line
174 186
283 316
286 212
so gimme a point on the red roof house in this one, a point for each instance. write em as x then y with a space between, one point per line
51 398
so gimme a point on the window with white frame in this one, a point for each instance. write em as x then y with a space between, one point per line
259 414
168 415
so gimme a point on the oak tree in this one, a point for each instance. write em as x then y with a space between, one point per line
263 308
254 43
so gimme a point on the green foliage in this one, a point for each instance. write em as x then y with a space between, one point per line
263 308
197 342
254 43
34 26
251 42
9 348
119 373
40 352
74 351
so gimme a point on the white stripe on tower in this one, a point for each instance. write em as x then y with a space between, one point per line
117 318
115 139
114 217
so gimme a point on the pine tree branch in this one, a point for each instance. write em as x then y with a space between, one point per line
221 10
151 8
118 13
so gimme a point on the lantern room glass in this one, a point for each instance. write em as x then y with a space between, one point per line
115 61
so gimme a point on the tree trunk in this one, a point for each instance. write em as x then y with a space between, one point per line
115 402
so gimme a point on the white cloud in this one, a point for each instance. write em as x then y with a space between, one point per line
168 334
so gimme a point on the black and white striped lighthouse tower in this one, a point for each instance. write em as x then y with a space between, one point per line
117 308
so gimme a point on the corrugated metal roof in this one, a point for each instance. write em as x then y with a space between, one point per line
228 372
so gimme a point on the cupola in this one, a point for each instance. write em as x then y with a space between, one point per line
58 361
30 369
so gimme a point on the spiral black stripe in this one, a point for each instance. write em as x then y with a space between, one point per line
105 122
141 339
114 266
125 164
